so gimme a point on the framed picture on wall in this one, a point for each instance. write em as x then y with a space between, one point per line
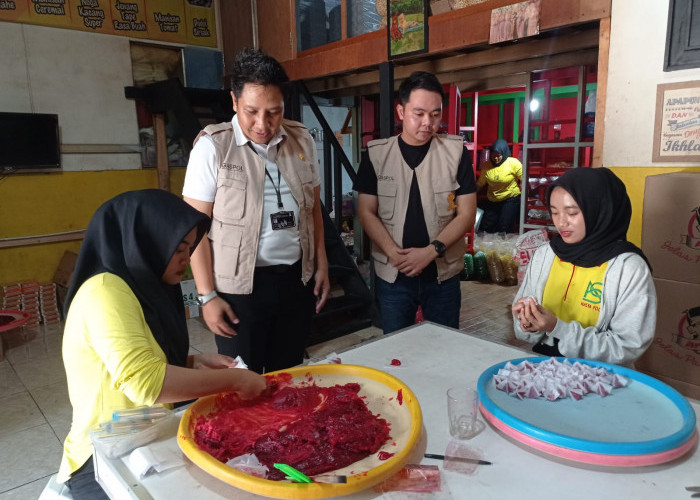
407 27
513 22
677 124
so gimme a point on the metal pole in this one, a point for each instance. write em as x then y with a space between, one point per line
338 184
254 20
386 99
327 173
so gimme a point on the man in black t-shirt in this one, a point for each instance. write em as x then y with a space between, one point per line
417 199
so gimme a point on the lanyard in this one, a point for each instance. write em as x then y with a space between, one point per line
280 205
277 188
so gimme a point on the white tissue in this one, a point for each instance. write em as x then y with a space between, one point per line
249 464
145 460
240 363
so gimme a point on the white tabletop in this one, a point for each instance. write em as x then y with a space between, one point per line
434 358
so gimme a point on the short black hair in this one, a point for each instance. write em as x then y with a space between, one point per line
254 66
419 80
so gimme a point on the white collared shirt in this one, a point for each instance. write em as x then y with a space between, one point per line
275 247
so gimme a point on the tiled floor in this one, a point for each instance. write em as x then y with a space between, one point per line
35 412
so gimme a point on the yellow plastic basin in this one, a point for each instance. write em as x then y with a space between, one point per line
380 392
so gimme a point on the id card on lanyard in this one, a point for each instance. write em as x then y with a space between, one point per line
283 219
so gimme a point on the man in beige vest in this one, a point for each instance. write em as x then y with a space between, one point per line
417 199
264 260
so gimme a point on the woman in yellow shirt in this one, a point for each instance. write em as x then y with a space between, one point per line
502 174
125 341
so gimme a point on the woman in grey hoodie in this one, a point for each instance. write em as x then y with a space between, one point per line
589 293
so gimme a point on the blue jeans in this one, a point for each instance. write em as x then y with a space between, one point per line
399 301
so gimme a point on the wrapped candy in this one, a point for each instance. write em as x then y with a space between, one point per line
552 379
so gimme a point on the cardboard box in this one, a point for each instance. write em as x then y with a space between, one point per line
189 297
674 355
65 268
671 225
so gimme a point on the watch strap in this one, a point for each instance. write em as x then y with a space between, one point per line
203 299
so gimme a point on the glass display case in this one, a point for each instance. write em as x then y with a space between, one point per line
559 134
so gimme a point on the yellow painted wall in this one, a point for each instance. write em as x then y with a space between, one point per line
36 204
635 180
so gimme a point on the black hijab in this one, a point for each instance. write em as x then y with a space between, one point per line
607 212
500 146
134 236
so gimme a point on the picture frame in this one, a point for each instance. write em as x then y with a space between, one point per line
407 27
677 122
514 22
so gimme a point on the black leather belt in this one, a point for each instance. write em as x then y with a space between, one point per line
278 268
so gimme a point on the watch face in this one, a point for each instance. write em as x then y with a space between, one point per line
439 247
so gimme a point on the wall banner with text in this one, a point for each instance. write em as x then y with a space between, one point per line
190 22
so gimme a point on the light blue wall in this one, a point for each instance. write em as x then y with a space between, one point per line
335 116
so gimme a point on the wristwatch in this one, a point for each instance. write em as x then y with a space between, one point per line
440 247
203 299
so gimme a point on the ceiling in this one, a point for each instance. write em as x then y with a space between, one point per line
480 67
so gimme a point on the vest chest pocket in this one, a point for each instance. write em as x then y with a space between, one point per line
445 203
386 199
230 198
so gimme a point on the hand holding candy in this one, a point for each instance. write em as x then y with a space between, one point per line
533 317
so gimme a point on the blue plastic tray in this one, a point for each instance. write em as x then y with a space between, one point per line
646 417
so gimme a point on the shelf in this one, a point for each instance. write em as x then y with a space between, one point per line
529 225
558 144
539 123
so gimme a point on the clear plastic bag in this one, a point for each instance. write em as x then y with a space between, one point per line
116 438
525 247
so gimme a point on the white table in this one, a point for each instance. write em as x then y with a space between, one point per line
434 358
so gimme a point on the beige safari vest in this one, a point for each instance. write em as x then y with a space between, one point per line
238 203
437 179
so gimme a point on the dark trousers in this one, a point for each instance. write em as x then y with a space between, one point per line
83 486
399 301
275 320
500 216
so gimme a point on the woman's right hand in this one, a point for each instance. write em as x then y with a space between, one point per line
248 384
215 314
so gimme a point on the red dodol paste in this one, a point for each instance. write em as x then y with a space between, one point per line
313 429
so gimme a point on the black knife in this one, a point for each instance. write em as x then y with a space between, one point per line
457 459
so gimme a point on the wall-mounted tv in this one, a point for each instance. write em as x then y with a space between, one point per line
29 142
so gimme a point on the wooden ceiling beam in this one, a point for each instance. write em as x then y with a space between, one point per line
510 74
587 56
489 56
